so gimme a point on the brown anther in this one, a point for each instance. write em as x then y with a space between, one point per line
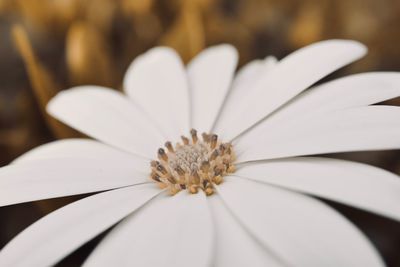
218 170
226 162
222 149
214 140
214 155
154 163
162 185
231 168
185 140
193 189
221 167
169 146
195 178
161 169
228 148
183 186
193 133
162 155
171 179
155 177
217 179
208 189
205 166
206 137
173 190
180 171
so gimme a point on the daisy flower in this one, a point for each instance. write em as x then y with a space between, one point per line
197 166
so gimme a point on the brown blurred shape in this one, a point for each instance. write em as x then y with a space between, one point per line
43 85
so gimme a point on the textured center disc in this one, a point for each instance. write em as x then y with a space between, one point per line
193 165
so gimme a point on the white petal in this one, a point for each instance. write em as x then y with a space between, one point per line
81 148
242 85
301 230
235 246
50 178
53 237
364 89
249 74
157 82
355 129
210 75
347 182
291 76
108 116
170 231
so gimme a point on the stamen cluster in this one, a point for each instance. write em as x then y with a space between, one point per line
193 164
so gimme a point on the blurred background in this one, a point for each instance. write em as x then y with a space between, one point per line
50 45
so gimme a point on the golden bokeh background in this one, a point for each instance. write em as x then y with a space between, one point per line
50 45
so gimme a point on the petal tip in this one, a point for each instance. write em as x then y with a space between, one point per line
354 46
225 50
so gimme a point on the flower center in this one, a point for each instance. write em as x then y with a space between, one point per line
193 164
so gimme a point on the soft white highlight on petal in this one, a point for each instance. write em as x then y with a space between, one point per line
235 246
302 230
170 231
108 116
56 235
243 85
351 183
352 91
355 129
290 76
364 89
249 74
81 148
50 178
210 75
157 81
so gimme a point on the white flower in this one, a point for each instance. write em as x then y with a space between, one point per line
262 214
